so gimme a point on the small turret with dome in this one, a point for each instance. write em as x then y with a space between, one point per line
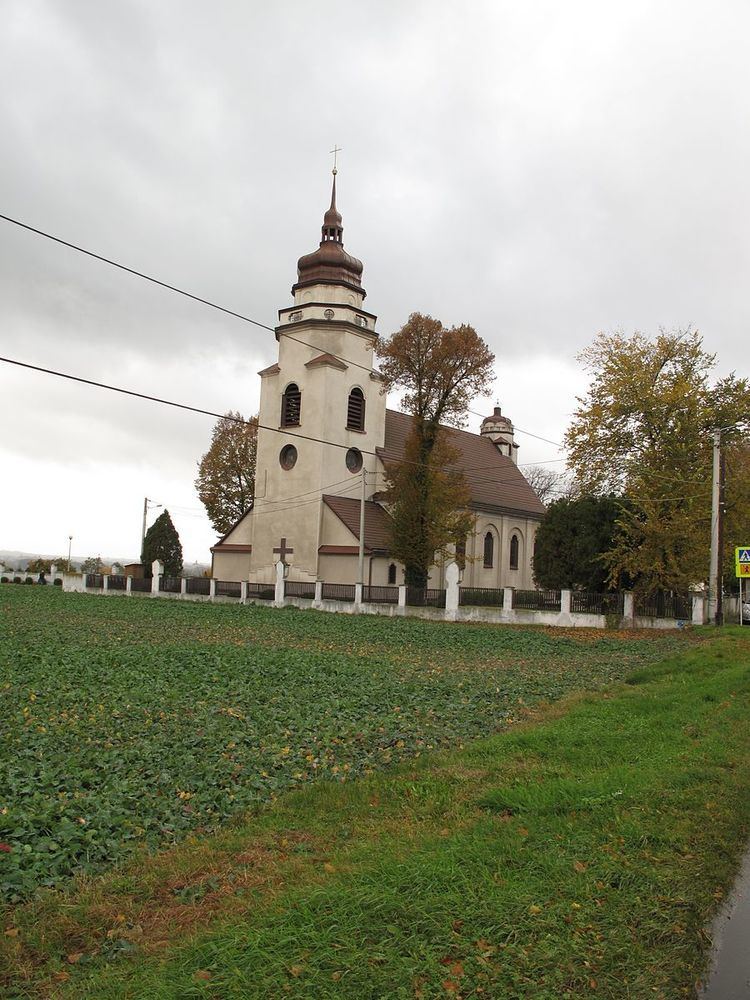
499 429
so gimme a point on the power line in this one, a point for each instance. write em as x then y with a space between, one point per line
208 302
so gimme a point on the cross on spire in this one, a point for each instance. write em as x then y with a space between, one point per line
282 550
336 150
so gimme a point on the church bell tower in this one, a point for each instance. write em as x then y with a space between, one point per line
321 404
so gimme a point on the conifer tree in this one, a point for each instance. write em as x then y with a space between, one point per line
162 542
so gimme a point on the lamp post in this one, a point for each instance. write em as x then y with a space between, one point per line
70 545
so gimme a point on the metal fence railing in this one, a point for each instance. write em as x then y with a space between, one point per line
261 591
116 582
170 584
481 597
425 597
584 601
380 595
228 588
94 580
297 588
664 604
140 585
338 592
198 585
536 600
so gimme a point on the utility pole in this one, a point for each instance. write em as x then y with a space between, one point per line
362 529
70 546
714 597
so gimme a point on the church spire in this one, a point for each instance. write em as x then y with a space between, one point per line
330 264
332 228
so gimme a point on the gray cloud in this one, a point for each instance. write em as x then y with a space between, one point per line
542 171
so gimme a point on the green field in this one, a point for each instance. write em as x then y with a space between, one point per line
130 722
536 813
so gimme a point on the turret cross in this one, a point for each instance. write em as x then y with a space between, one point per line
336 150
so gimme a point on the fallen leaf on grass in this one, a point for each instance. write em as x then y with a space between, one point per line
74 957
203 974
62 976
12 932
580 866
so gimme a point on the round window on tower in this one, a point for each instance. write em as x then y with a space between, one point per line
288 456
328 314
354 460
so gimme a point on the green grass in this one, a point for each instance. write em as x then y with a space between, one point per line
578 854
130 723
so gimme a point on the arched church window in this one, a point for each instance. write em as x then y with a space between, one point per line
489 550
355 411
291 406
514 552
392 573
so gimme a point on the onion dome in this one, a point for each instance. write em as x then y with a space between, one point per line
330 264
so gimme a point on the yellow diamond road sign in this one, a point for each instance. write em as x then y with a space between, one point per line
742 560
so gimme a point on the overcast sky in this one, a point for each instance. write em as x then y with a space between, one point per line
540 170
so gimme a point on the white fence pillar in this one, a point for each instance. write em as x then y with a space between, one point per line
128 584
699 609
452 578
358 594
507 598
183 586
278 597
243 591
402 596
565 596
157 568
105 582
212 589
628 608
318 592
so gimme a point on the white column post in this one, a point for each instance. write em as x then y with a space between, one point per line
105 581
318 592
212 589
128 584
357 594
713 571
565 598
243 591
699 609
278 597
183 586
507 598
402 596
452 577
157 569
628 608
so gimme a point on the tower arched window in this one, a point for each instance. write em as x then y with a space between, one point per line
489 550
355 410
514 552
392 573
291 406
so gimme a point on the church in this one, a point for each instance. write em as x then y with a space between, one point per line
326 436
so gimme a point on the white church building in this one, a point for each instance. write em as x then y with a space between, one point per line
325 437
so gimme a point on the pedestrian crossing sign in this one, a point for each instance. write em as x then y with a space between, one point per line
742 560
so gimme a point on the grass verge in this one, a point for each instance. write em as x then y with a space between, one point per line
579 854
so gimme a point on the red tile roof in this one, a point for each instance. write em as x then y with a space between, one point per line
495 481
346 509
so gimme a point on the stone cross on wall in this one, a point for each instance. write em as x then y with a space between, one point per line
282 551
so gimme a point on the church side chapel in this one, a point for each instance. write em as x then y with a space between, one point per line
335 436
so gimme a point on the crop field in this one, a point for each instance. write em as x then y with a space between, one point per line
130 723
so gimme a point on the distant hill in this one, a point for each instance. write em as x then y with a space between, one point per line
17 560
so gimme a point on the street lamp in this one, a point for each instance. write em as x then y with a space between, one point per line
70 544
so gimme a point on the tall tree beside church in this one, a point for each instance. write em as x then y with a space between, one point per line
440 370
162 542
643 431
226 473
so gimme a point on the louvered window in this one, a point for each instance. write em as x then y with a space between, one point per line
489 550
355 412
291 406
